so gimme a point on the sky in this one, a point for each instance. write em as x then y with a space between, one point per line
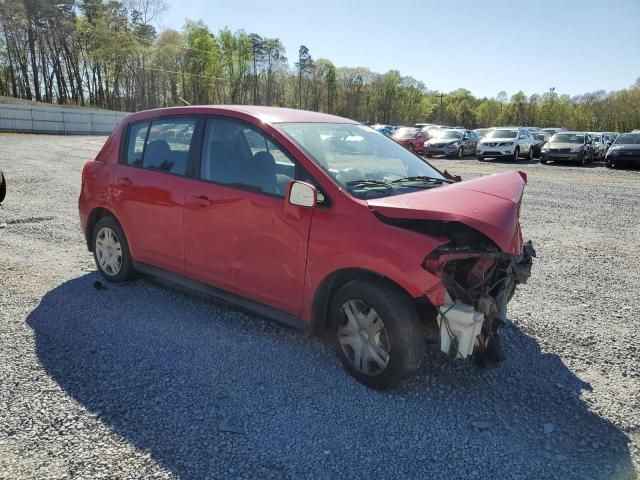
486 46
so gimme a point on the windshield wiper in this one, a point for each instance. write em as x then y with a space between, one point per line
368 182
421 179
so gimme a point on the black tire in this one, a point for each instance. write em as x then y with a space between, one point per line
610 164
3 188
480 158
460 153
126 271
543 162
516 154
404 335
583 160
530 156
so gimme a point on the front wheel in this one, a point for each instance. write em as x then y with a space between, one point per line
379 337
516 154
111 251
530 156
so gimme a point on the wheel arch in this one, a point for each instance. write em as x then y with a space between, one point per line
336 280
95 215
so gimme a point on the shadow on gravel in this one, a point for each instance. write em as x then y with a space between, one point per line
211 392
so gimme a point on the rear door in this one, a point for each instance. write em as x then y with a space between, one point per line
240 233
150 184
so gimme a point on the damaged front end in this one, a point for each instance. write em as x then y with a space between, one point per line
480 262
479 284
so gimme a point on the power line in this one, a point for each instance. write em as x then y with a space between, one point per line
183 73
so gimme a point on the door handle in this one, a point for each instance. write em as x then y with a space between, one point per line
202 200
124 182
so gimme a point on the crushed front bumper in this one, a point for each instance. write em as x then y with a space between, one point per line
479 286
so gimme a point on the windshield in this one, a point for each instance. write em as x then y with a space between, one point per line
628 138
365 168
567 138
481 132
502 134
451 134
538 136
405 133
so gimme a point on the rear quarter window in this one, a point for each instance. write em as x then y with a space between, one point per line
135 145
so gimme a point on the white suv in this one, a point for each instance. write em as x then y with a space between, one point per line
509 142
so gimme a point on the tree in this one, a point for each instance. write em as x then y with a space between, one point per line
304 65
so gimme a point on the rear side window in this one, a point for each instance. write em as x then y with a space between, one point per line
168 145
162 145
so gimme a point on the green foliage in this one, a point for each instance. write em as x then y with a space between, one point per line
107 53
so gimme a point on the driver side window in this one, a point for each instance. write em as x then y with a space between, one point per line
239 155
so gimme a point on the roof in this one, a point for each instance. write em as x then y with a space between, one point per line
261 113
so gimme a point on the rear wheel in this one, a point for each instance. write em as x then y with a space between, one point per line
378 334
516 154
480 158
111 251
530 156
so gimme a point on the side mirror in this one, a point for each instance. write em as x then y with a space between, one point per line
303 194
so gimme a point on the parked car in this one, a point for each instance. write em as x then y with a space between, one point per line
568 146
411 138
506 142
371 248
452 143
599 144
539 139
432 131
386 131
553 130
3 187
482 132
624 151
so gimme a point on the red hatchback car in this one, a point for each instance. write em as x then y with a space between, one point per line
261 207
412 139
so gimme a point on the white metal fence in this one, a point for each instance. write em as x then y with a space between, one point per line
37 118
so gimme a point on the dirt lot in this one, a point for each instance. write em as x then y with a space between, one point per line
146 381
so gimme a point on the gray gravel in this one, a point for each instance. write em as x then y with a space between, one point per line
145 381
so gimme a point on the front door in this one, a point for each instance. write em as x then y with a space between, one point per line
240 234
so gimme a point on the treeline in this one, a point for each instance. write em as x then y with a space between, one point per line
108 54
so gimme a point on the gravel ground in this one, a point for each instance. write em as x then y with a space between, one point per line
146 381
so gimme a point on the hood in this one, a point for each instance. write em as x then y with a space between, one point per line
498 140
446 141
488 204
564 145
